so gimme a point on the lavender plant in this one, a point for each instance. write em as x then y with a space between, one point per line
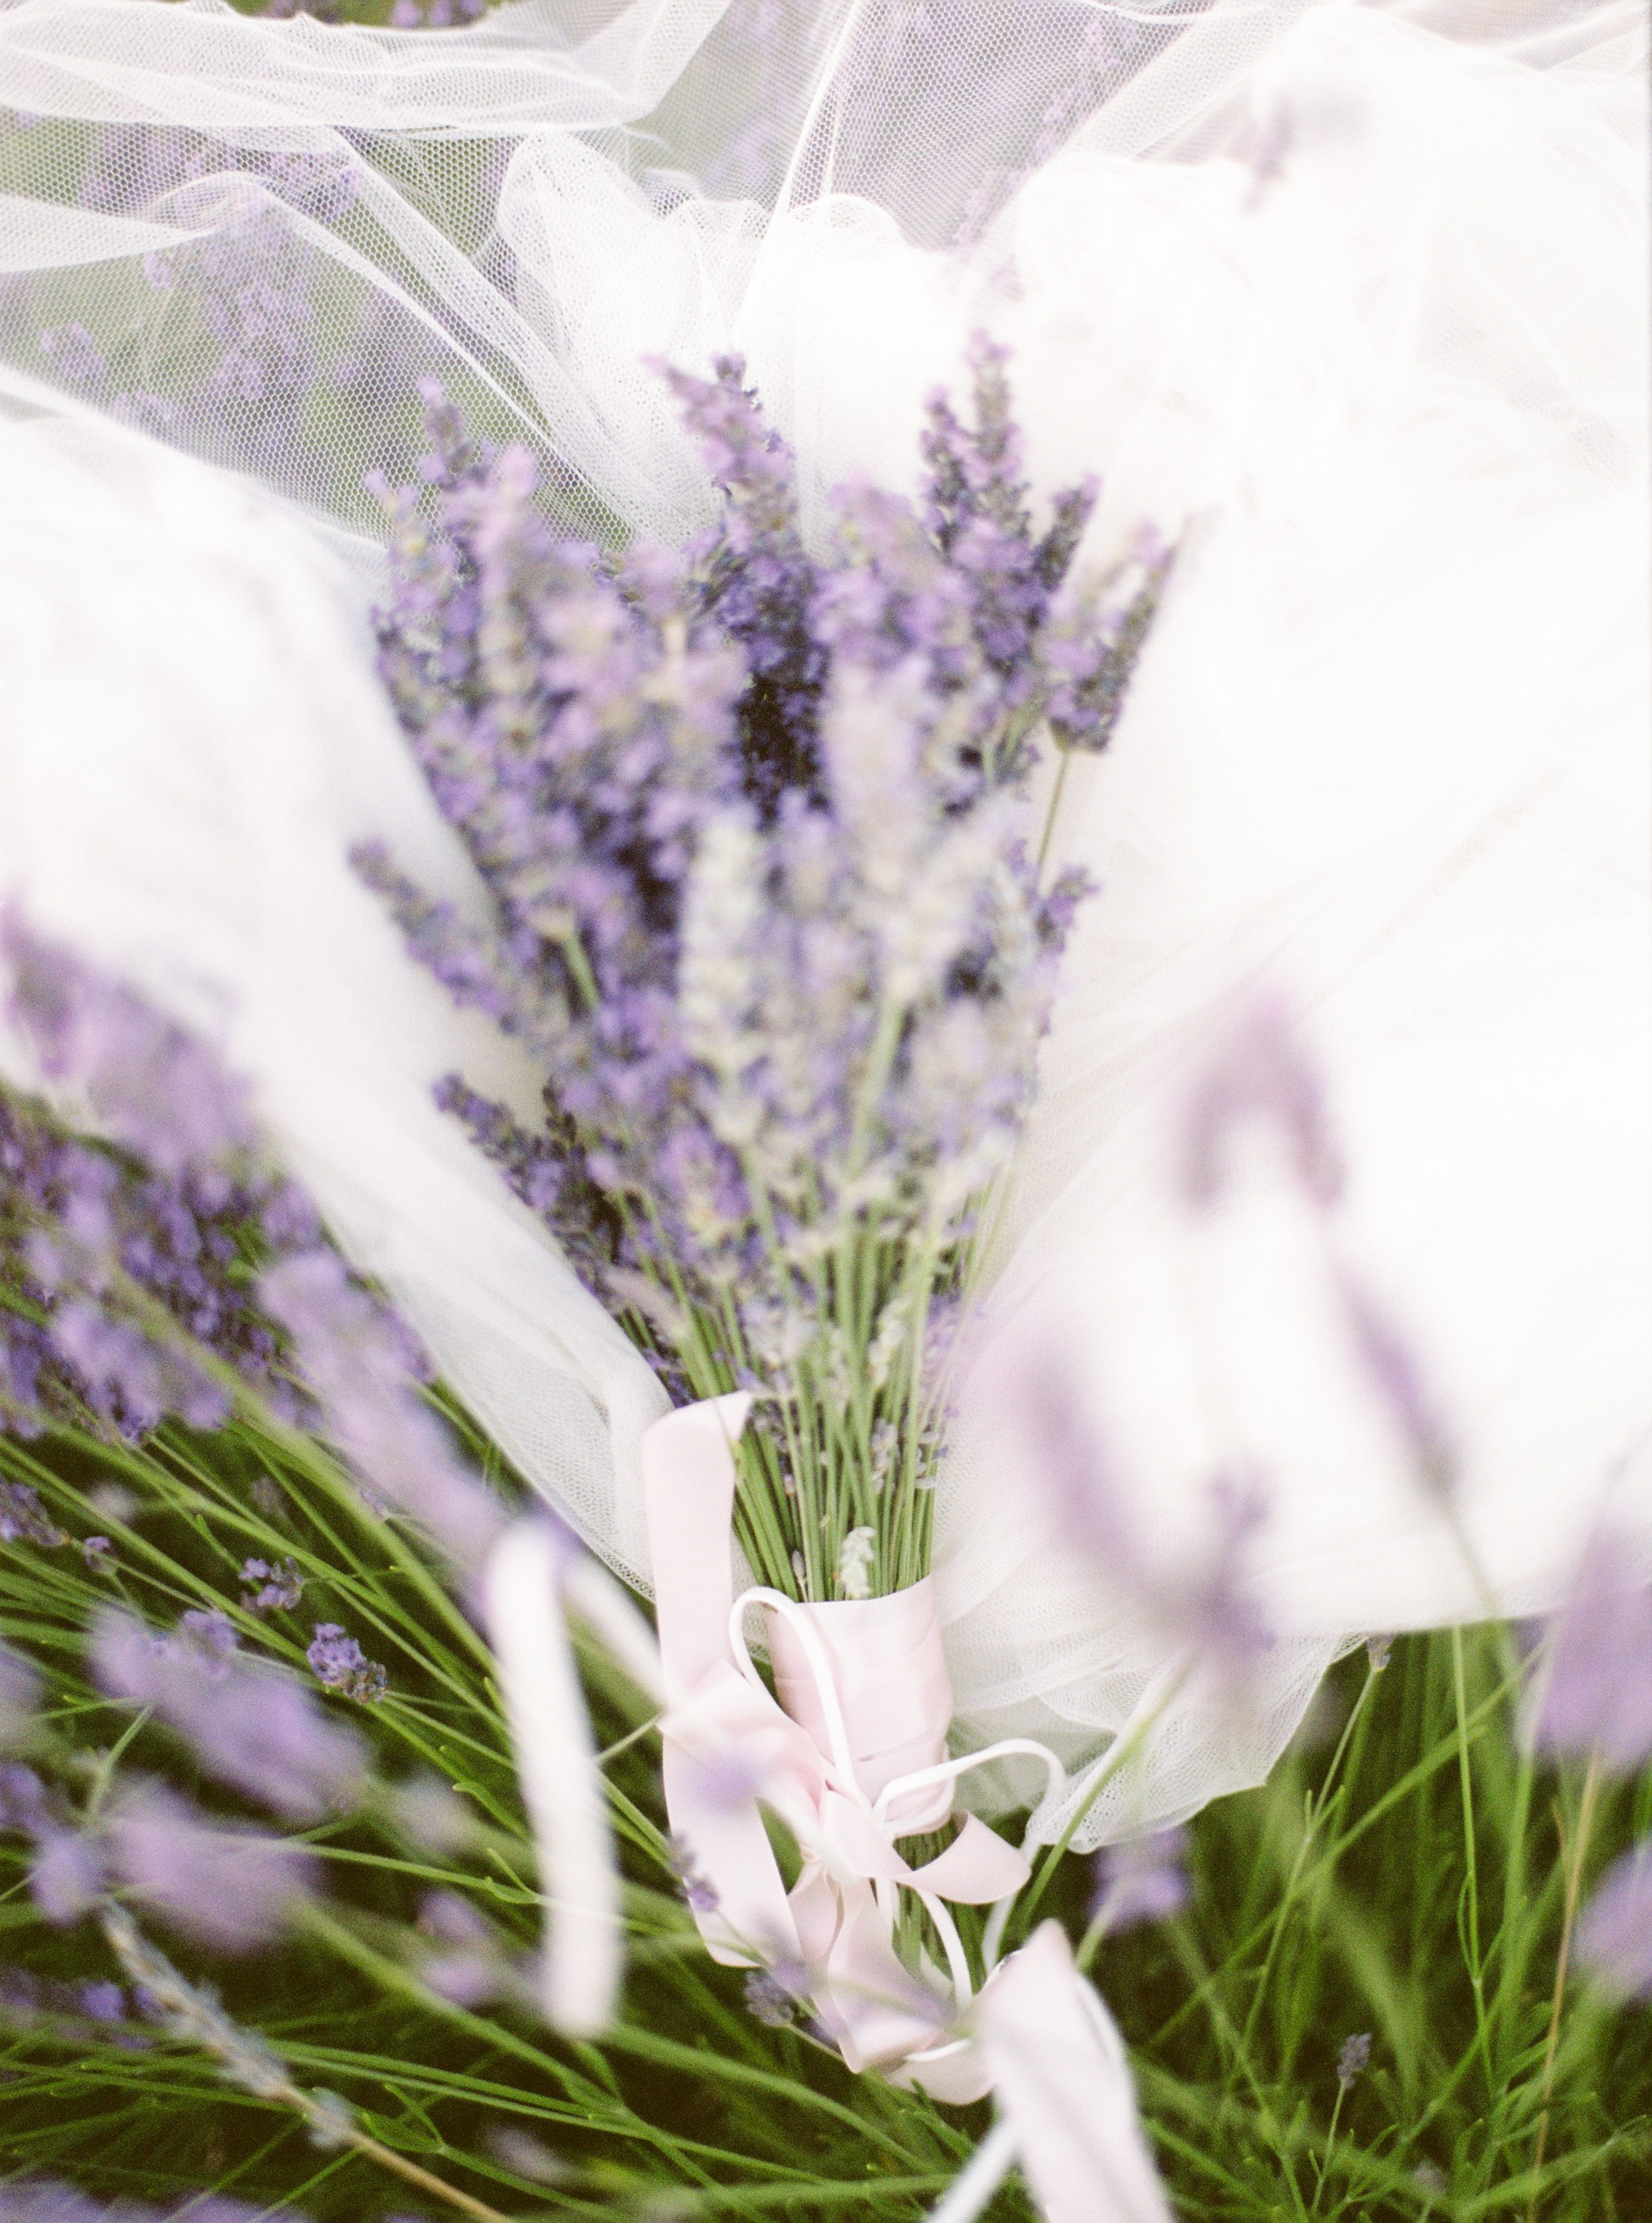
128 1264
756 823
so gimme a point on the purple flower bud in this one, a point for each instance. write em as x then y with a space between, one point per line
1142 1880
277 1585
1594 1694
699 1893
250 1725
1202 1604
1351 2060
355 1362
1614 1937
1260 1074
65 1876
23 1518
471 1969
339 1662
770 2000
22 1801
220 1882
160 1093
1396 1371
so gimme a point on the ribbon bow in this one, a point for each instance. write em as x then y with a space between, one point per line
852 1758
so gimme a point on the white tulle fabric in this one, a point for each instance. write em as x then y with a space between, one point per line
1352 298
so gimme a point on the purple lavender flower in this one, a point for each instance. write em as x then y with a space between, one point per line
89 1236
468 1966
415 15
249 1723
1204 1608
93 1238
1353 2060
1595 1692
23 1804
74 357
65 1876
1396 1371
757 581
220 1882
356 1361
700 1894
43 2200
1260 1074
24 1518
339 1662
159 1090
277 1585
1614 1936
770 2000
1143 1880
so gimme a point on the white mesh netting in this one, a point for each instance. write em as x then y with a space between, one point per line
1354 296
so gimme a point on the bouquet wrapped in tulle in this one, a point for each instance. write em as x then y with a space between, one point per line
768 909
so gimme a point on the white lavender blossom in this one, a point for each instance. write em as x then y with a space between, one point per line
856 1556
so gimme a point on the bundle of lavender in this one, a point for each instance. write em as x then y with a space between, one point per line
767 910
162 1284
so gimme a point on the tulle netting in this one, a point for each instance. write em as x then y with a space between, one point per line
1351 300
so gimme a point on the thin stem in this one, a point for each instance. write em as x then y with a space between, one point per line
1123 1751
244 2059
1051 814
388 2158
1471 1878
1574 1881
1330 2147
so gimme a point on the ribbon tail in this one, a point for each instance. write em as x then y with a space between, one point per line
736 1897
1063 2087
876 2009
688 1504
561 1786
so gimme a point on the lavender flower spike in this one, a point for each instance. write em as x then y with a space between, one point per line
339 1662
1596 1695
358 1365
556 1768
1141 1881
160 1093
44 2200
251 1726
220 1882
1615 1935
1353 2059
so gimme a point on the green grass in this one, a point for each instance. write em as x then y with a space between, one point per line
1402 1872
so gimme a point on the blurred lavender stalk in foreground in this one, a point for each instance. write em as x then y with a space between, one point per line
133 1300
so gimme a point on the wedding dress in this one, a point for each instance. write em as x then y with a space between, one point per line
1350 301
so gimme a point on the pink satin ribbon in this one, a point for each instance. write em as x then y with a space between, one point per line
854 1758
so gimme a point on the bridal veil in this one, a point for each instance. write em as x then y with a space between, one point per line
1349 301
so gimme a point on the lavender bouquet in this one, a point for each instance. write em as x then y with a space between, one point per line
767 911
